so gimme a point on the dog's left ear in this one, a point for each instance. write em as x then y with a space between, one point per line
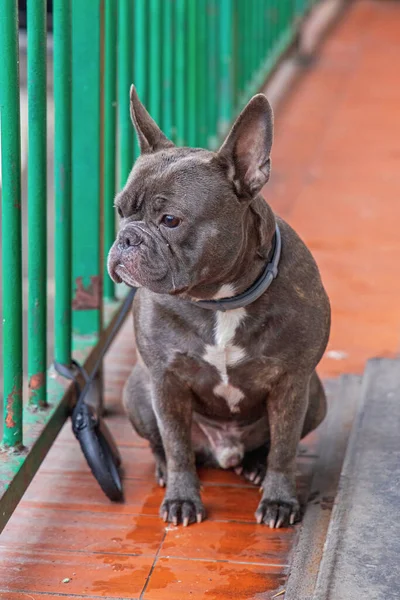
150 136
248 146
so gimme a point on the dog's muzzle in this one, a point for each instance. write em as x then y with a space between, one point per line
129 237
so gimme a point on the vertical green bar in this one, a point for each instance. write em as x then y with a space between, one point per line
140 70
202 72
245 48
240 33
226 56
167 97
212 73
235 52
11 223
125 70
87 19
180 80
254 38
110 115
249 43
37 203
276 23
258 35
192 69
264 33
155 60
62 178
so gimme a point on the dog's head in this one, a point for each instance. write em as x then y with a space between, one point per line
182 211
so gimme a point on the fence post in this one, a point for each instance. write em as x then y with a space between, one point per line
212 73
62 179
154 95
226 57
37 203
202 73
191 70
139 57
125 75
110 118
180 72
167 70
87 143
11 223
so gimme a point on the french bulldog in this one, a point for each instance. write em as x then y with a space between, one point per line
225 372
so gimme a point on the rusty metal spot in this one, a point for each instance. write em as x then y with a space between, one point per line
87 298
11 398
36 381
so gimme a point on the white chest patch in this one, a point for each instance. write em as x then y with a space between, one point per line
224 354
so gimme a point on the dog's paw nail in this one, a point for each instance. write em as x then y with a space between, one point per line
186 521
175 521
292 518
272 523
161 482
165 516
259 518
239 470
199 517
279 524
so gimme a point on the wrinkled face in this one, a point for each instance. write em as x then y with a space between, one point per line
181 223
182 211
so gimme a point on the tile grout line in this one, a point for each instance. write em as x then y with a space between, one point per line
43 506
54 552
226 561
146 583
31 504
60 595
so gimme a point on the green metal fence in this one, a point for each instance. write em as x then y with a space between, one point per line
195 63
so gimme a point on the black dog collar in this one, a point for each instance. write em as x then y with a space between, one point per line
253 292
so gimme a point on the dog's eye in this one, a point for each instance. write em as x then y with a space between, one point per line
170 221
121 214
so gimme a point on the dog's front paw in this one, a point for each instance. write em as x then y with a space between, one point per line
277 513
182 509
279 506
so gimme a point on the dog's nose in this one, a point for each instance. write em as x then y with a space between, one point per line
128 238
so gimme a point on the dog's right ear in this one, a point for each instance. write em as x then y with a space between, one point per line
150 136
247 148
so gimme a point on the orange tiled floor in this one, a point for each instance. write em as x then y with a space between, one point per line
65 528
336 180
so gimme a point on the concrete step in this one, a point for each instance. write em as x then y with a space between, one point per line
362 549
343 400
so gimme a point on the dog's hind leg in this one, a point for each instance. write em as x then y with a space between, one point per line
254 465
138 405
317 405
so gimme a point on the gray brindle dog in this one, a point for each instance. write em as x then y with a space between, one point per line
231 317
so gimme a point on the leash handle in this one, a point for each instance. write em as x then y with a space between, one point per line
76 369
96 441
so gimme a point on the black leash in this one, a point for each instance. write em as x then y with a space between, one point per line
94 437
